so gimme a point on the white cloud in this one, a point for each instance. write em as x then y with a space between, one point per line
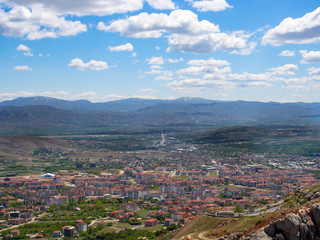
199 70
291 81
163 78
287 53
217 74
30 54
153 71
83 7
210 62
202 66
211 5
22 68
147 90
93 65
87 94
134 54
25 49
143 96
313 71
155 67
182 28
205 43
295 31
37 19
161 4
245 51
155 61
310 57
125 47
191 81
170 60
284 70
20 21
154 25
58 94
296 88
158 72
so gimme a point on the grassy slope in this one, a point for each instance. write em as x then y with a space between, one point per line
212 227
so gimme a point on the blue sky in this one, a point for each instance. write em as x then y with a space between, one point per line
102 50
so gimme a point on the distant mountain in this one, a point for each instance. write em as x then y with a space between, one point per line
39 117
40 112
193 100
123 105
126 105
48 101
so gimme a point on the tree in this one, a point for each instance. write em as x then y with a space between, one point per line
238 209
172 227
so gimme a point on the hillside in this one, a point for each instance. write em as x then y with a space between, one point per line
297 218
25 143
234 134
241 134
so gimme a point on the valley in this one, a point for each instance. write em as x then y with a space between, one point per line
178 181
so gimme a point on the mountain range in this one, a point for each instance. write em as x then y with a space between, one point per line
123 105
44 112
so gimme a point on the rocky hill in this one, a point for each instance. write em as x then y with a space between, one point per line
298 219
303 225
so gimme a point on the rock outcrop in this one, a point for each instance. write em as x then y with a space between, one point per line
304 225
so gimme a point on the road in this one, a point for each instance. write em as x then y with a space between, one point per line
102 219
172 173
273 207
258 211
163 140
33 220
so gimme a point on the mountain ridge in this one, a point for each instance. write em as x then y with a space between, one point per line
128 104
41 112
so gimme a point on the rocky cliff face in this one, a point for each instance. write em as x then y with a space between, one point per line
303 225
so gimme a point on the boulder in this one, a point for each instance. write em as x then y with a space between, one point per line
279 237
315 215
260 235
271 229
291 226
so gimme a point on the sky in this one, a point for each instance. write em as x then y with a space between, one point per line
104 50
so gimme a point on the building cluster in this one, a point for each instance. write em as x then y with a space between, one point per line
176 191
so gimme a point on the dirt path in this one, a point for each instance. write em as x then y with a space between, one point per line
102 219
180 234
201 236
